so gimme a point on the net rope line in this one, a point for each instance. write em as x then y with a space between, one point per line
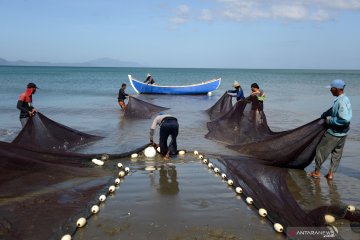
278 227
123 172
81 222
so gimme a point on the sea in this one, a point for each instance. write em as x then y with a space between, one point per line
202 207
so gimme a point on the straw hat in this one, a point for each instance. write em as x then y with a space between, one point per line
236 84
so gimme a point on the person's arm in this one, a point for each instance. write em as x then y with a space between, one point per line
20 106
327 113
343 116
153 127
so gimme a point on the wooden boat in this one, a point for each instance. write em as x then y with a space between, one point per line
200 88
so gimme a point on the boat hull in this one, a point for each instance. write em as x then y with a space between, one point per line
201 88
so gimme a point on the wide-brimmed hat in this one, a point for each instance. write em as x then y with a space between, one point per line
337 83
236 84
32 85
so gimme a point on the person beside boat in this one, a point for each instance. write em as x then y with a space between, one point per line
169 126
122 96
24 103
238 92
149 79
337 120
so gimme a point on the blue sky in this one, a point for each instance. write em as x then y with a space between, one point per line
198 33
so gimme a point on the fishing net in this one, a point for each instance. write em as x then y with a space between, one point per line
44 188
137 108
267 186
45 133
223 105
39 191
239 125
44 192
245 129
260 169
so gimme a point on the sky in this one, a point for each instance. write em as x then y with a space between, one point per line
271 34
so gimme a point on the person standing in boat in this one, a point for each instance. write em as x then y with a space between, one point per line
168 126
149 79
122 96
238 92
24 104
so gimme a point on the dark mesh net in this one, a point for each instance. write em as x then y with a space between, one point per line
137 108
261 169
267 186
240 125
44 133
44 189
223 105
40 191
292 149
246 131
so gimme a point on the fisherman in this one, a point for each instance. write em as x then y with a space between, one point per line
257 97
239 94
337 120
24 104
168 126
122 96
149 79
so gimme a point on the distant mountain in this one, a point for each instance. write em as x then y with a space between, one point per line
100 62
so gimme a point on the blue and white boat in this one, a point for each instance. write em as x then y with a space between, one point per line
200 88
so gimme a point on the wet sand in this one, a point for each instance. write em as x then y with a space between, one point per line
183 199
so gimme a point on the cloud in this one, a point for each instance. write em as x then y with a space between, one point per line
288 10
181 15
206 15
252 10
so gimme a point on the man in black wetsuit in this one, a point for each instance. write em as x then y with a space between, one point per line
168 126
24 104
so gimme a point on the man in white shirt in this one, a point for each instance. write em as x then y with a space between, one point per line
168 126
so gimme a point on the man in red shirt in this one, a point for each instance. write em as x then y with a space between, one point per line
24 104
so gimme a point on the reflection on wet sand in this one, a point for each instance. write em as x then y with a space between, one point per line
310 192
168 183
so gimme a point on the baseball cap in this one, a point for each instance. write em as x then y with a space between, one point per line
337 83
32 85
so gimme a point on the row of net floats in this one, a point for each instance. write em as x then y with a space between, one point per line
329 219
123 171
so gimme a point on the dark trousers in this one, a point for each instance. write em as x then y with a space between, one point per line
169 127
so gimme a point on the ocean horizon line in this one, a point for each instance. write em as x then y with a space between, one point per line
212 68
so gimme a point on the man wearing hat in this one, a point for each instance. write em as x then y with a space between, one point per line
24 103
149 79
239 94
337 119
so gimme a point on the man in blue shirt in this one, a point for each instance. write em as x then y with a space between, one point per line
337 119
239 94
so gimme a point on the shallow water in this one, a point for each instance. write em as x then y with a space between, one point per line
85 99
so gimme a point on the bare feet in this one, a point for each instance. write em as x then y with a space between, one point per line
315 174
